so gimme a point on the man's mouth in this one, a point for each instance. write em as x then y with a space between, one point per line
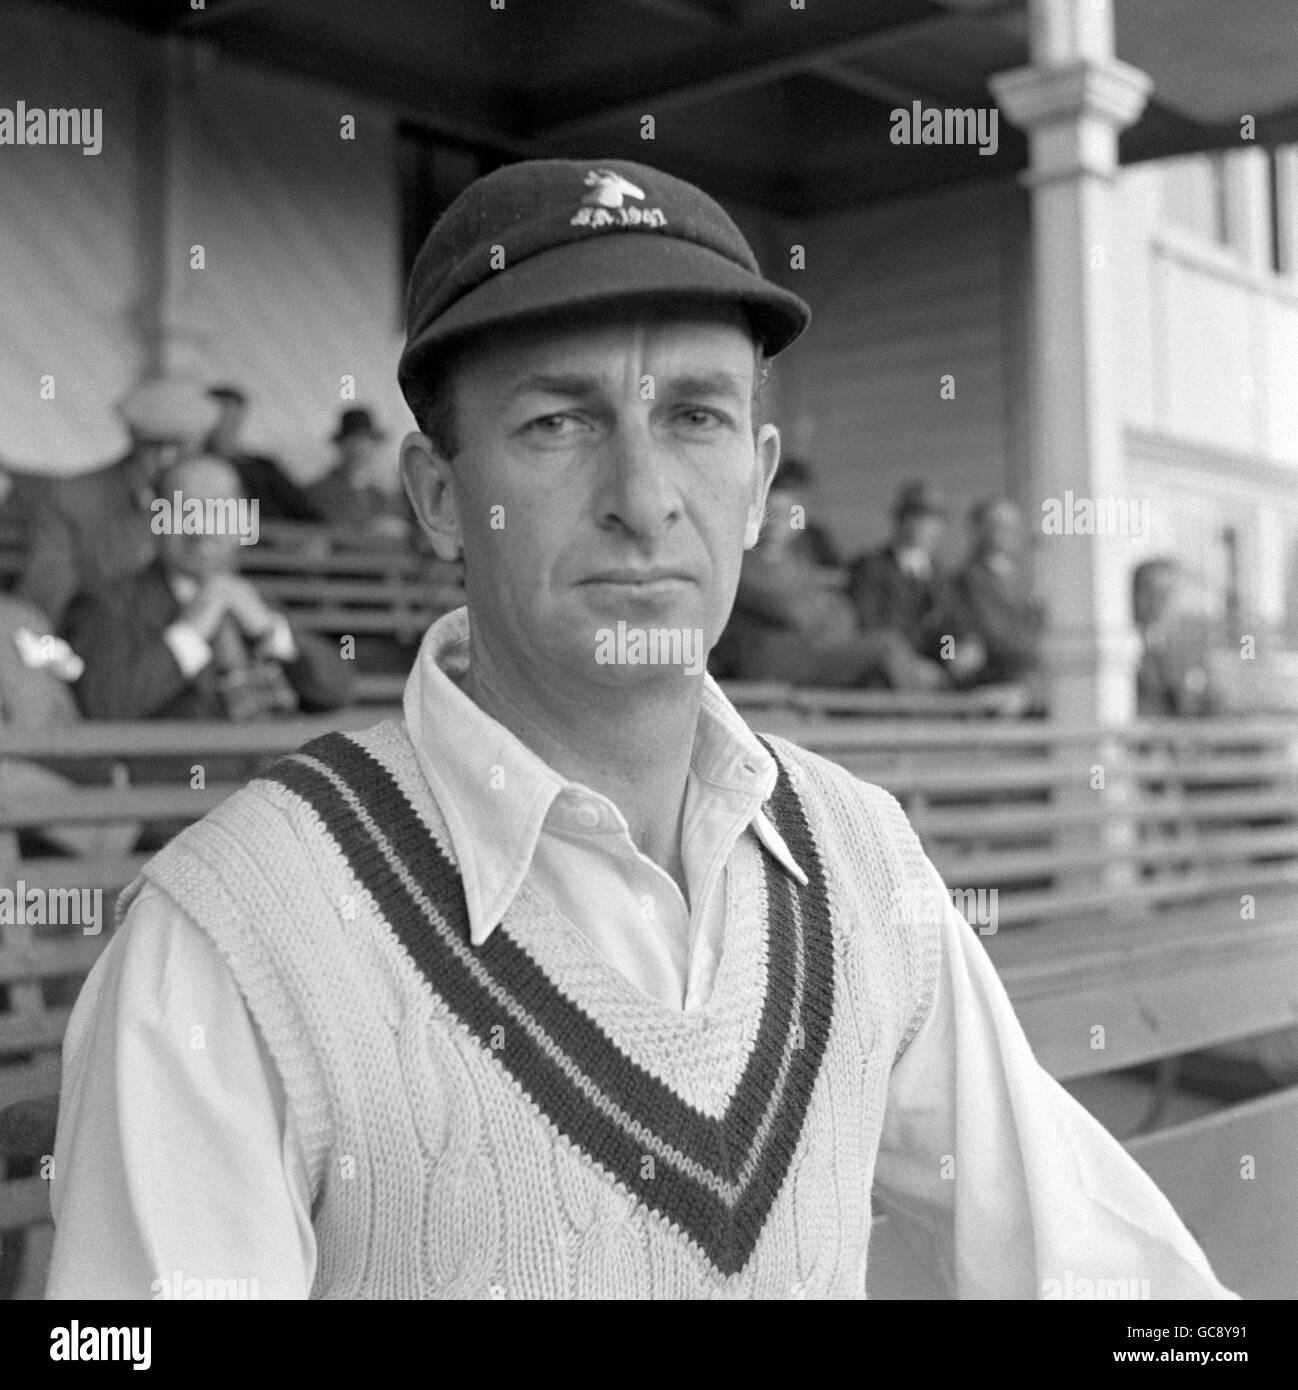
638 578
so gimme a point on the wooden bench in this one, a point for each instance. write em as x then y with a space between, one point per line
763 702
1146 880
13 550
1158 901
336 582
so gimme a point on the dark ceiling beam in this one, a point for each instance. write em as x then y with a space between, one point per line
459 112
692 12
215 13
751 58
1279 128
876 86
1162 133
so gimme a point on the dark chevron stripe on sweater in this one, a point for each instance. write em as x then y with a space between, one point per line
715 1179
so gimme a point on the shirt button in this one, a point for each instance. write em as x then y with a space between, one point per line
588 816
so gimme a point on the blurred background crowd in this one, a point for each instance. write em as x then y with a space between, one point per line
109 619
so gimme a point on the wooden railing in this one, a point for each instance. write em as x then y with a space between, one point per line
1145 879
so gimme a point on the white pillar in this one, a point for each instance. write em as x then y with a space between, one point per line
1072 101
173 342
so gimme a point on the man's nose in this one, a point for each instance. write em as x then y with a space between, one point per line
639 490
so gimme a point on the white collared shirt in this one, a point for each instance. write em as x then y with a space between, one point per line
511 817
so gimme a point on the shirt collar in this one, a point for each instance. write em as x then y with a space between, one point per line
495 793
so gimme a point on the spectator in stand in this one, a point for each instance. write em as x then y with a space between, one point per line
13 496
807 538
96 527
792 620
993 594
354 493
189 638
18 495
902 587
1173 676
279 498
36 669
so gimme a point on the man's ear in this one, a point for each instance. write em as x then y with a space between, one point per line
767 449
431 489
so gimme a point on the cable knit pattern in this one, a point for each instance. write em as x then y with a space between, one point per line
517 1119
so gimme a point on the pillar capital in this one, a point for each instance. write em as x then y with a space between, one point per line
1072 113
1110 90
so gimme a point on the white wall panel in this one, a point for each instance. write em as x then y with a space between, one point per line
300 229
68 273
903 294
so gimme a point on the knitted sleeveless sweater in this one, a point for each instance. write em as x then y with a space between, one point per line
517 1120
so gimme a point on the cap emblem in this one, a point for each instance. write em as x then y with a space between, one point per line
608 188
605 204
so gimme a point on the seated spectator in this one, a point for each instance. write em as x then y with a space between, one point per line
792 620
36 669
12 497
278 497
95 527
1173 676
189 638
353 493
993 594
807 538
18 492
902 587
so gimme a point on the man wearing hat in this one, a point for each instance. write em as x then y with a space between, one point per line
94 527
278 497
902 586
565 983
352 494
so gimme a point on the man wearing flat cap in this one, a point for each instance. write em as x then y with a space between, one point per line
352 494
902 587
278 497
95 527
565 983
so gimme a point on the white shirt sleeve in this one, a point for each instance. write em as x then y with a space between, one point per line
998 1180
176 1158
278 642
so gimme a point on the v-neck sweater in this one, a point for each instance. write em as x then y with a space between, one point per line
468 1112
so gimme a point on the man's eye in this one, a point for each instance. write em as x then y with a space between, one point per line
699 417
551 426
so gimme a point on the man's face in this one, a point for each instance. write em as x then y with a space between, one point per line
922 530
156 456
358 452
606 474
201 556
224 439
1152 595
1002 529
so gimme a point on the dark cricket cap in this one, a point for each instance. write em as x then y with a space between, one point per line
547 235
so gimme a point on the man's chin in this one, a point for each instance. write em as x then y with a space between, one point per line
632 652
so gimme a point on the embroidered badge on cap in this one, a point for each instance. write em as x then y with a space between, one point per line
605 205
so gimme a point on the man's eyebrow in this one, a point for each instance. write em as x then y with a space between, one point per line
576 384
719 383
553 384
